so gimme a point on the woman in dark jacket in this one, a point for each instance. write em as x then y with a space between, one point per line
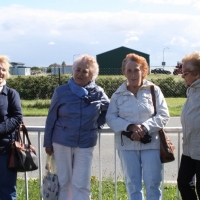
10 118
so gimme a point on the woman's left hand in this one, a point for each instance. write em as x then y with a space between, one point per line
138 132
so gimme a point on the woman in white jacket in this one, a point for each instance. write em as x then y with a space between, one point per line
131 109
190 120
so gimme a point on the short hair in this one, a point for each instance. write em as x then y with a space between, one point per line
89 61
194 58
5 61
139 60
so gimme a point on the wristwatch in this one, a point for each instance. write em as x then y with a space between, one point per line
145 129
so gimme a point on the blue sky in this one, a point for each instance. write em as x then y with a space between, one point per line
42 32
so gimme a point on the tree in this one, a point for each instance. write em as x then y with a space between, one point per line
63 63
35 68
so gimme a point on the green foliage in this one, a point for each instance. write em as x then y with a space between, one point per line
35 68
110 83
42 87
170 87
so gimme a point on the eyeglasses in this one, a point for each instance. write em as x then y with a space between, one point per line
186 73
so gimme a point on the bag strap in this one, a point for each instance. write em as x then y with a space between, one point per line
25 132
153 98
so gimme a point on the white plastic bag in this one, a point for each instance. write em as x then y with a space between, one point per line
50 185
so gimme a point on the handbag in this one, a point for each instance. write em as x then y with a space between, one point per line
23 156
166 147
50 185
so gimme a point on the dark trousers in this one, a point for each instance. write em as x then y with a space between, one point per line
186 185
7 180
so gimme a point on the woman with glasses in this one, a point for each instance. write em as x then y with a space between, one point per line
131 111
190 119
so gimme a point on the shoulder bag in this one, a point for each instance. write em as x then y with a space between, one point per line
22 156
166 147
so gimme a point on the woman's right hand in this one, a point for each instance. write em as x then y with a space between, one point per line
137 130
49 150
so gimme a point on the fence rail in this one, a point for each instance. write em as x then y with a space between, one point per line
106 130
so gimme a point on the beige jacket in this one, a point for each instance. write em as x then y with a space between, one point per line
190 119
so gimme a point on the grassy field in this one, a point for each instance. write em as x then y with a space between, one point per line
170 191
40 107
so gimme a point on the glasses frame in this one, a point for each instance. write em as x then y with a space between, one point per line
186 73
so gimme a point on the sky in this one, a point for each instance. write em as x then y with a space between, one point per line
43 32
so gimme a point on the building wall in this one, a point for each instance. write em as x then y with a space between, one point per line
110 62
63 70
20 70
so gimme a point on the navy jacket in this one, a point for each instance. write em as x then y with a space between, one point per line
72 121
10 117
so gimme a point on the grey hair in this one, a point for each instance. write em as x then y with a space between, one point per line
89 61
194 58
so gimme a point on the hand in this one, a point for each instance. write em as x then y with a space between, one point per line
49 150
137 130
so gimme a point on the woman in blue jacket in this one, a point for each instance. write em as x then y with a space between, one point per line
10 118
77 110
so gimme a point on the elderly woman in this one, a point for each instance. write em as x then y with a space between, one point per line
10 119
190 119
131 109
77 110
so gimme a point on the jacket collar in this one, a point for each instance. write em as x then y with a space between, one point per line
195 85
123 89
5 90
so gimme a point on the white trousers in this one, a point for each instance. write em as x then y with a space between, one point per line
74 171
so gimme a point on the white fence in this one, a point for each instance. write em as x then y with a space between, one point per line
174 131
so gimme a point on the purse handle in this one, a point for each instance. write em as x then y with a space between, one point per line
24 129
153 98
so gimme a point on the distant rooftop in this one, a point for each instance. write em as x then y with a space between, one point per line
17 63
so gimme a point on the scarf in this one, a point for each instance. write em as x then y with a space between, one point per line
88 93
77 89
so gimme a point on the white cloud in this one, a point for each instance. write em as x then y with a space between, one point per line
172 2
148 31
197 5
196 44
131 39
51 43
94 42
179 41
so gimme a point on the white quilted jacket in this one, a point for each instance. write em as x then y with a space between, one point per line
125 109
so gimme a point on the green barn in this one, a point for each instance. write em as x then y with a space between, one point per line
110 62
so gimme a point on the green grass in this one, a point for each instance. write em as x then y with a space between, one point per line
175 105
170 191
40 107
35 107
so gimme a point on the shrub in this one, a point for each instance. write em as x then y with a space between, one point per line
42 87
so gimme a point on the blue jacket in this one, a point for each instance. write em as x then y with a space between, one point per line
73 121
10 117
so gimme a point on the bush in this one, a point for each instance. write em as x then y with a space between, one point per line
42 87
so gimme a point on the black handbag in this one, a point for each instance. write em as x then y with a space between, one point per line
23 157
